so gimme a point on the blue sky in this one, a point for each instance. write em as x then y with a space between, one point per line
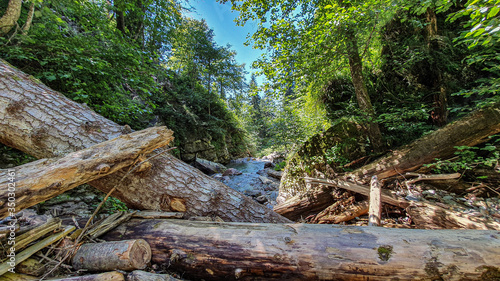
220 19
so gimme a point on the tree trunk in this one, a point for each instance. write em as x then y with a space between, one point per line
43 123
126 255
38 181
229 251
364 101
471 130
9 19
304 205
29 19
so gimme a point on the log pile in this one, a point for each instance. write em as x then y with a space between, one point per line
198 228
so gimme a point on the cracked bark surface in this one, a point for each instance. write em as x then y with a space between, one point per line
42 122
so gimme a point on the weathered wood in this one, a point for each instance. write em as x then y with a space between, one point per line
108 276
124 255
303 205
4 267
470 130
342 211
429 216
318 198
375 211
41 180
31 266
44 123
17 277
248 251
25 239
139 275
157 215
108 223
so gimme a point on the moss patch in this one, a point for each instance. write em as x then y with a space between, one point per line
384 252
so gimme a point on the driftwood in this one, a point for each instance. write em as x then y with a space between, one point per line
375 211
124 255
108 276
19 257
318 198
139 275
43 123
247 251
342 211
41 180
429 216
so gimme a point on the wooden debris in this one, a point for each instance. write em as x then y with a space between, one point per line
108 223
124 255
430 216
157 215
31 266
34 234
375 211
108 276
41 180
139 275
342 211
223 251
386 196
304 205
4 267
17 277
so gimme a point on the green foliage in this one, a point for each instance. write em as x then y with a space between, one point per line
280 166
468 158
113 205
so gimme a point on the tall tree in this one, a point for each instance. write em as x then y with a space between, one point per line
317 39
9 19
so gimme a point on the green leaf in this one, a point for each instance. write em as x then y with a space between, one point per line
493 12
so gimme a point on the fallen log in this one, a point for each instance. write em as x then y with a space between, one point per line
429 216
124 255
342 211
43 123
38 181
248 251
470 130
375 211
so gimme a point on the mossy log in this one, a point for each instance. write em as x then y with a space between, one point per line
43 123
124 255
38 181
250 251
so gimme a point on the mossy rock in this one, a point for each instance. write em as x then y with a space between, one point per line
323 154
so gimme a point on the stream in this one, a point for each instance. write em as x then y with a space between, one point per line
253 181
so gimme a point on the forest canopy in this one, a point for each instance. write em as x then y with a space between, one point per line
398 68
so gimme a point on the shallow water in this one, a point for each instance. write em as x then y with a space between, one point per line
249 180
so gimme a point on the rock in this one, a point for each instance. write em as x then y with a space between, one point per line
208 167
265 180
231 172
275 174
269 165
253 192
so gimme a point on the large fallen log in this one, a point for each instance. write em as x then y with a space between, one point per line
38 181
471 130
244 251
45 124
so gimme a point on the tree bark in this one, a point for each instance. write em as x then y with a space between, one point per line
41 180
43 123
29 19
471 130
124 255
108 276
138 275
364 101
229 251
9 19
304 205
430 216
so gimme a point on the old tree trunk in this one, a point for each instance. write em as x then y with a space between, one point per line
244 251
45 124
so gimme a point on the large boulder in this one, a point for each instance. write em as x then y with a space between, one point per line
323 155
